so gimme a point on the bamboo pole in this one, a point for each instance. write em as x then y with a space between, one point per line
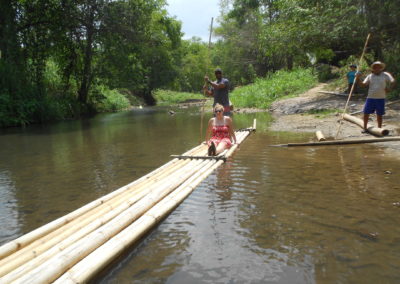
49 270
200 148
100 258
208 58
39 246
24 240
352 87
68 238
342 142
320 136
93 263
89 266
371 129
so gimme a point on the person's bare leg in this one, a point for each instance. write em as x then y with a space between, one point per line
220 148
366 117
379 118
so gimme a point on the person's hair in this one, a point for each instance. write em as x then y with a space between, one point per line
218 107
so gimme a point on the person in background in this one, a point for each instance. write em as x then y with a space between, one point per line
350 78
219 90
220 133
379 83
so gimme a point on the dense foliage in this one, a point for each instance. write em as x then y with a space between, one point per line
61 59
64 58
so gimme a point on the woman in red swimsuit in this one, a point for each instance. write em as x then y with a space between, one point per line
222 132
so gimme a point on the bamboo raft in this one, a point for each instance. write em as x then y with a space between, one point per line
79 245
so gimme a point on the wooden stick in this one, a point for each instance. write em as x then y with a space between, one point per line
202 107
352 87
342 142
371 129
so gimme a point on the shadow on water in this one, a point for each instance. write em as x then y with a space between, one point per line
268 215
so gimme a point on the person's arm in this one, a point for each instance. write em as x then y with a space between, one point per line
231 130
361 83
207 91
392 83
209 128
216 85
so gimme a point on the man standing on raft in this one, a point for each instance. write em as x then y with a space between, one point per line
379 84
219 90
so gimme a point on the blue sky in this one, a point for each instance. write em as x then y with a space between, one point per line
195 16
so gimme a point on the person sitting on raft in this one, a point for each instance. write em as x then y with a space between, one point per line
221 128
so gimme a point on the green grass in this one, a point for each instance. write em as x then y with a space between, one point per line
165 97
281 84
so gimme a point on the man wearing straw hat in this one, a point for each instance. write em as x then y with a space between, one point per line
379 83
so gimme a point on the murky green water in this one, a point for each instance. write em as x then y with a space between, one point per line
269 215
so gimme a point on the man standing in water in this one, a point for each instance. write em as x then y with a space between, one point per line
219 90
379 84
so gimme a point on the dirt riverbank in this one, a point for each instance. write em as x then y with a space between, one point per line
294 114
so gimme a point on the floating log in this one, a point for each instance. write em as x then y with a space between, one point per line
342 142
371 129
320 136
48 252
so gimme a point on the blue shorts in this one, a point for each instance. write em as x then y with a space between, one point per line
372 105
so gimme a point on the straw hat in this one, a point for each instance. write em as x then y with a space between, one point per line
378 63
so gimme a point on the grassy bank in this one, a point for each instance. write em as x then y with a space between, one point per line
258 95
165 97
276 86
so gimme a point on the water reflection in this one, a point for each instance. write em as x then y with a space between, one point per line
268 215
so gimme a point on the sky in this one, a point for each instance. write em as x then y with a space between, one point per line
195 16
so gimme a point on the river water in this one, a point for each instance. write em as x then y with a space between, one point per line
268 215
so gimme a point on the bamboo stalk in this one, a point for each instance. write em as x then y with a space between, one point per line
343 142
371 129
198 149
70 237
53 267
41 245
24 240
95 262
320 136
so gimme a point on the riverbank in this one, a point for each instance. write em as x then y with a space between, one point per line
313 110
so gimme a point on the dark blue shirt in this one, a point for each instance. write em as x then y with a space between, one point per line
221 96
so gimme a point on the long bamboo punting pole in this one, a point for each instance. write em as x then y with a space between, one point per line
96 261
22 241
371 129
342 142
352 87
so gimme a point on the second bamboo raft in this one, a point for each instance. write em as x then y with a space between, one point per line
77 246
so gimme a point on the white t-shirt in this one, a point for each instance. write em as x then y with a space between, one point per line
377 84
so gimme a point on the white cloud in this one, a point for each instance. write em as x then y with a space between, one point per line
195 16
